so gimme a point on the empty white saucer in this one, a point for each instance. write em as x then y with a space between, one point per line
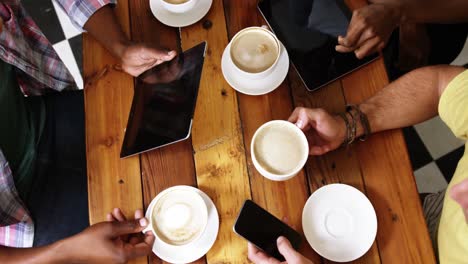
197 249
339 222
188 18
255 86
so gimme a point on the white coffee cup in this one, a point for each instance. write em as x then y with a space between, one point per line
254 51
175 6
179 216
279 150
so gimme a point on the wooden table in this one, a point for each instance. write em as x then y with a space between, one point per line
217 157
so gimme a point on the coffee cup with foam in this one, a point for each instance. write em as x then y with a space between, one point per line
254 52
178 217
279 150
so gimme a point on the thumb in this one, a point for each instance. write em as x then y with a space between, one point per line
128 227
286 249
160 54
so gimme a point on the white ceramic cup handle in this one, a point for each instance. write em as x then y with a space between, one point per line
148 228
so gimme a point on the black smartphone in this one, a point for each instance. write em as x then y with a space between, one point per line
263 229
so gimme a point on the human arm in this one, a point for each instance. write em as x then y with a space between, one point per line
100 21
107 242
409 100
459 193
372 25
285 248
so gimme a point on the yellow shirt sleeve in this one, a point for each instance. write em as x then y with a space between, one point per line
453 229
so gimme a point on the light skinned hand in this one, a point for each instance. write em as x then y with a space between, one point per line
116 241
138 57
369 29
459 193
324 132
285 248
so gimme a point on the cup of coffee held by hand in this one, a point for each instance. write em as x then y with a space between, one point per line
279 150
179 216
178 6
254 51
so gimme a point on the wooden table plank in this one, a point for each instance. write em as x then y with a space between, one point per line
340 166
402 233
217 138
173 164
282 199
110 179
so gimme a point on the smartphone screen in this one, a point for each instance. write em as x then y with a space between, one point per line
263 229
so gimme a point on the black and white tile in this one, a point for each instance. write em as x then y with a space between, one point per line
433 149
63 35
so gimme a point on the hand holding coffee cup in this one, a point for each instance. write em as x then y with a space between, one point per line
279 150
254 51
325 132
179 216
178 6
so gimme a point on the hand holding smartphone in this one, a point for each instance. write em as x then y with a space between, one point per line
262 229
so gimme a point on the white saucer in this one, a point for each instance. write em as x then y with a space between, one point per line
339 222
192 251
188 18
257 86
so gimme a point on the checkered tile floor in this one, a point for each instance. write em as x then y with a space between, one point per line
433 149
65 38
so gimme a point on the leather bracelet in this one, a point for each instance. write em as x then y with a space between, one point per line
353 127
347 137
363 118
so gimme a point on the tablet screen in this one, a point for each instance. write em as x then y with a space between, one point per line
164 103
309 29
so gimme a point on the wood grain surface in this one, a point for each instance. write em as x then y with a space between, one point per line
217 157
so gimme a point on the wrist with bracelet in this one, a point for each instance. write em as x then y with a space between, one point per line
356 115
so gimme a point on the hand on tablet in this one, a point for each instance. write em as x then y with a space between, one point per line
137 58
369 29
284 247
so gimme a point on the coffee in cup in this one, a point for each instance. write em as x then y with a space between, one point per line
279 150
254 51
178 6
179 216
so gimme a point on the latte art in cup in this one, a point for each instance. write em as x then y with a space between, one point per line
254 50
179 217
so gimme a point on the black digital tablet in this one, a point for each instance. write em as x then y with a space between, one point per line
309 29
164 103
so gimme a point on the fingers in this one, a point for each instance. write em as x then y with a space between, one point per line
258 257
139 250
139 214
300 117
368 48
150 53
355 29
319 150
286 249
117 214
128 227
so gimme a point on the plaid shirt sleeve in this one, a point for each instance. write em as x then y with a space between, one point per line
80 11
16 226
